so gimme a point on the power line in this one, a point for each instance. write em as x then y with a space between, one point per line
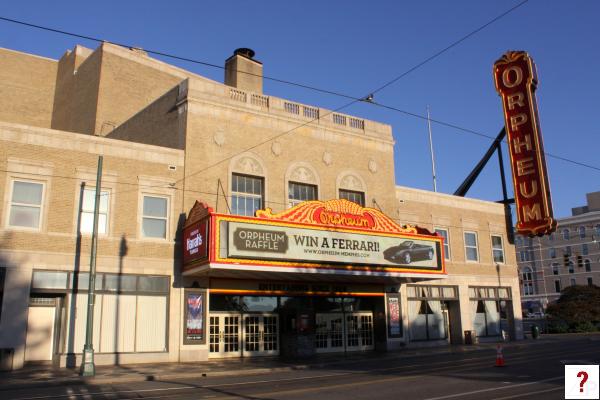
355 99
445 49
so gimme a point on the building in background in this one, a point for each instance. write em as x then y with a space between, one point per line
568 257
179 148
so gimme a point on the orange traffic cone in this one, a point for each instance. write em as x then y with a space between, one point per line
499 357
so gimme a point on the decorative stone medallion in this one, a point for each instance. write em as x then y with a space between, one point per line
372 166
276 148
219 137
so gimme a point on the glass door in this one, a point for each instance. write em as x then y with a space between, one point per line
329 332
359 331
224 335
336 332
261 334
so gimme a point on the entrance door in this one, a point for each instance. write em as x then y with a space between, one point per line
359 331
39 344
329 333
225 335
344 332
261 334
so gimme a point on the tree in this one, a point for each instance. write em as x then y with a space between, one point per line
577 309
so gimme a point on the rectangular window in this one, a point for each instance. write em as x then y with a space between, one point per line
356 197
552 252
155 217
444 233
497 249
573 283
584 249
299 192
471 250
557 286
246 194
590 282
26 204
87 211
555 269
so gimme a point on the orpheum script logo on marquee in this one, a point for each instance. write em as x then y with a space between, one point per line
195 239
516 80
258 241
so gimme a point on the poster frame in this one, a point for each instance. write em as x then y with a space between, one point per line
186 294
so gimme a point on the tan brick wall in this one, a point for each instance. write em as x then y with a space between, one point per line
129 171
458 214
127 85
26 88
216 135
161 123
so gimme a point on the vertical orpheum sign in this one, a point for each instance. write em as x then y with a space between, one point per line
516 80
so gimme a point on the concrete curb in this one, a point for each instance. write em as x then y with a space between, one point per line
198 374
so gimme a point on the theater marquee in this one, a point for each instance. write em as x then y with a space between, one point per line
335 236
516 80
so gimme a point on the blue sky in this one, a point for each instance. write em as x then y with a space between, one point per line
354 47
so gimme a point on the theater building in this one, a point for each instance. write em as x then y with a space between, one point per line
232 223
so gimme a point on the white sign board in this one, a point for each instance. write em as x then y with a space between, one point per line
268 242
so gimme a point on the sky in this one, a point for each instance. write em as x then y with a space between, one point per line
354 47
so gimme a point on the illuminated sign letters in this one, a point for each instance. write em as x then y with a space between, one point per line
516 80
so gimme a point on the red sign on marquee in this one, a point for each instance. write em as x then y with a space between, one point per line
516 80
195 242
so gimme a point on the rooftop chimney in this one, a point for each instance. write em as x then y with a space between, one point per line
243 72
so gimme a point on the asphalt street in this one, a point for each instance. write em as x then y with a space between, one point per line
532 371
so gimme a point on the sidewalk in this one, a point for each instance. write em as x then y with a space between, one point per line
40 376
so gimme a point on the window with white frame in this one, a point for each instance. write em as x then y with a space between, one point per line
26 204
86 223
246 194
555 268
552 252
299 192
444 233
155 217
566 234
471 250
584 249
354 196
497 249
527 281
581 230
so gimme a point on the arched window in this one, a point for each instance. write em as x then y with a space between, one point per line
352 187
581 230
527 281
247 188
302 183
588 265
565 234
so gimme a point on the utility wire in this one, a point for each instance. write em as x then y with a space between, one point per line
445 49
356 99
